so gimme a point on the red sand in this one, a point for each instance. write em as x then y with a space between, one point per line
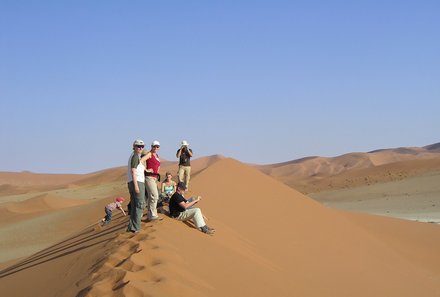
271 241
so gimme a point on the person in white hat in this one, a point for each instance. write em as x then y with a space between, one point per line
152 162
136 186
184 154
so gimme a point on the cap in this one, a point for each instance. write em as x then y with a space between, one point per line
138 142
184 142
120 199
156 142
182 185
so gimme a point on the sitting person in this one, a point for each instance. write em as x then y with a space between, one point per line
167 189
182 210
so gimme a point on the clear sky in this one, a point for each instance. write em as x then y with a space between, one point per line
259 81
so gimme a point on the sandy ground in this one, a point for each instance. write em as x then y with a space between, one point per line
270 240
27 207
415 198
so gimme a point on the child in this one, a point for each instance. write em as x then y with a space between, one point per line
110 208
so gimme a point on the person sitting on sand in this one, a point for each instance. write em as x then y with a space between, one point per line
168 188
111 207
182 209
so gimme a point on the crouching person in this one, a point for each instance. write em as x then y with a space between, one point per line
183 210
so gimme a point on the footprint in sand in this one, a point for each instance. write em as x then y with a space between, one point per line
129 265
156 262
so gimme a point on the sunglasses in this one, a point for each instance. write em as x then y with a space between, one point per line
156 146
140 146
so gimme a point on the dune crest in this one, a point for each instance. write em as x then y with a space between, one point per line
271 240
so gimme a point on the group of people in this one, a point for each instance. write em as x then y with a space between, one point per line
143 177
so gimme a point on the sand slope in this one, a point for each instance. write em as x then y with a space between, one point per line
271 240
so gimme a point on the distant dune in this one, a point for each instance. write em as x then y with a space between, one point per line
13 183
316 174
271 241
24 182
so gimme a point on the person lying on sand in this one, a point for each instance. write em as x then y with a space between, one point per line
182 210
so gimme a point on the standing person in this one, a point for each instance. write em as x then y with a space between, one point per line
184 154
117 204
136 186
182 209
152 177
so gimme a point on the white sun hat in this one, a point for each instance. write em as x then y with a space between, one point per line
138 142
156 142
184 142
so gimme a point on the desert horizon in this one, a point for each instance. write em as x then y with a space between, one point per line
363 231
309 128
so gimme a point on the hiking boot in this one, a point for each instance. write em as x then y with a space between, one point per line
156 218
205 229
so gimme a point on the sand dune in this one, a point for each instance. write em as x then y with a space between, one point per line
27 178
270 240
44 202
26 182
13 183
37 207
315 174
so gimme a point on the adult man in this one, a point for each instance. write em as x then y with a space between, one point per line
182 209
184 154
136 186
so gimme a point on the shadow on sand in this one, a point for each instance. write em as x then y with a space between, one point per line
91 235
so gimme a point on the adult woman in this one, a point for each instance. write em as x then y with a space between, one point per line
168 188
152 162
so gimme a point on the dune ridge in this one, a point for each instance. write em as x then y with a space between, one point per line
327 263
270 240
316 174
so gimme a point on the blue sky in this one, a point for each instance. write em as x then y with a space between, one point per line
259 81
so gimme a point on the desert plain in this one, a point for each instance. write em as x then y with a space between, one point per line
360 224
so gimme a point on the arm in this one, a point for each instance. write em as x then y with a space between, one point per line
122 211
179 152
134 176
162 189
144 159
186 205
190 152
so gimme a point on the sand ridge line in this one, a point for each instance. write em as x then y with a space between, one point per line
144 264
138 264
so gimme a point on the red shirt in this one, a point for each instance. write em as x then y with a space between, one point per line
153 163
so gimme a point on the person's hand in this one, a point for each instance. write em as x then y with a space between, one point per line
199 198
137 190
